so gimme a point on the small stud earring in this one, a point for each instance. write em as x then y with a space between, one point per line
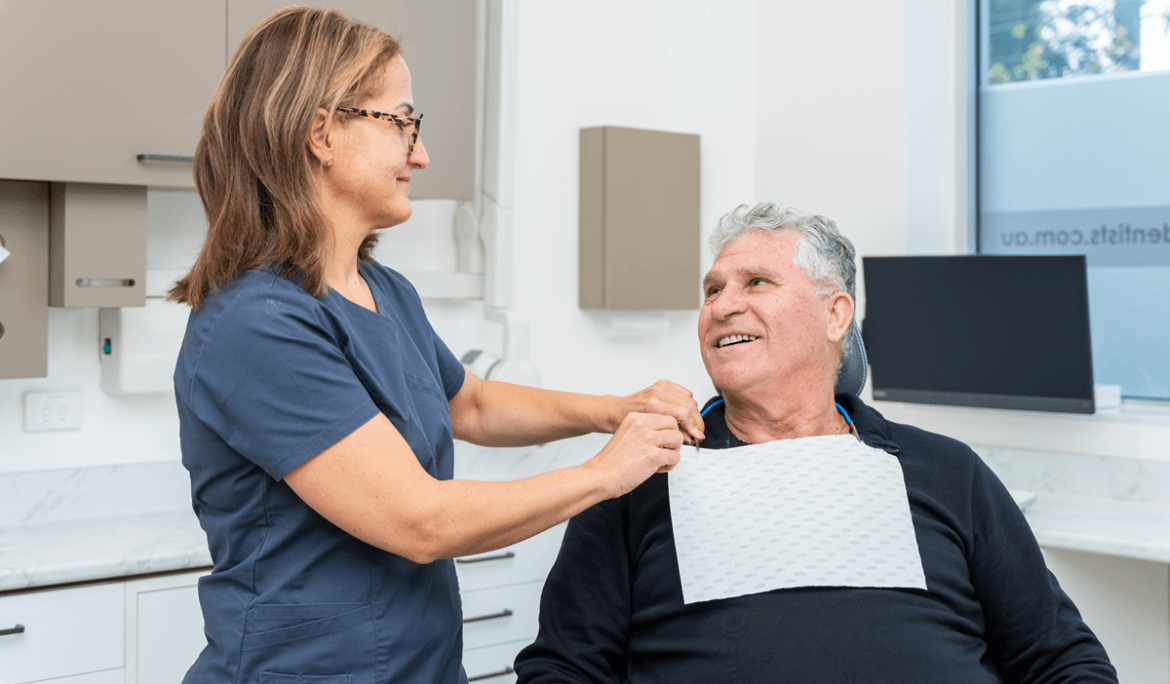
329 161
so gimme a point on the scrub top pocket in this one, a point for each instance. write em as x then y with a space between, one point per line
270 624
310 643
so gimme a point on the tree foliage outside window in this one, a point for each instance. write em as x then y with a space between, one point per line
1040 39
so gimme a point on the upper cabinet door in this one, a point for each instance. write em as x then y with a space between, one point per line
89 86
439 45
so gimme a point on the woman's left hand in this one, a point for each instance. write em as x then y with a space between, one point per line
667 398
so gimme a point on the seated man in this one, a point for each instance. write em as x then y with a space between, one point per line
778 305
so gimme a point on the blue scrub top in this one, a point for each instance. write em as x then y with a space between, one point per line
268 377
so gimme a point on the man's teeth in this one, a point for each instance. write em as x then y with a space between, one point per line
723 342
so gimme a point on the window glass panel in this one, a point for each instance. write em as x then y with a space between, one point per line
1075 159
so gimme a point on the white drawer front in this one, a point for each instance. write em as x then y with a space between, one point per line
66 632
527 561
117 676
492 664
491 606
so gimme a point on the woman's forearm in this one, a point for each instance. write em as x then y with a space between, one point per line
507 415
501 414
371 485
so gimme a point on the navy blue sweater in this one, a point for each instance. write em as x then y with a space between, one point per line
612 608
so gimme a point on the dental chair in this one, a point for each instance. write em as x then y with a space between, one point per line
855 369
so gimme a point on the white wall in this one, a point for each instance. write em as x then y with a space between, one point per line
675 66
831 116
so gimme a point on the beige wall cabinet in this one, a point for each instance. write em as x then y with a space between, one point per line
92 85
24 280
639 220
439 45
97 245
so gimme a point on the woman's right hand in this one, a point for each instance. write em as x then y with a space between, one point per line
644 444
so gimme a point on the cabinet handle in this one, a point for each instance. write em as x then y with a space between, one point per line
19 629
164 158
491 675
494 616
484 559
105 282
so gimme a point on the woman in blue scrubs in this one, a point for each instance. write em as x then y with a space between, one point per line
318 406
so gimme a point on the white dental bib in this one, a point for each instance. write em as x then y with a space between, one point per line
813 512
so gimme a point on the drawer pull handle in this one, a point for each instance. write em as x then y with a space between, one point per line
494 616
19 629
491 675
483 559
105 282
164 158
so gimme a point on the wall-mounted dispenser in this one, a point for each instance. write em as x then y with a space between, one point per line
138 346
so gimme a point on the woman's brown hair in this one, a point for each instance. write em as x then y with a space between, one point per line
253 168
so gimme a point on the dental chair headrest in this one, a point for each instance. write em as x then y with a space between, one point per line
855 367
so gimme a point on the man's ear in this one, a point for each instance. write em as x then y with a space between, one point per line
840 315
319 140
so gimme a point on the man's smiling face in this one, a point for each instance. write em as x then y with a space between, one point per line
762 322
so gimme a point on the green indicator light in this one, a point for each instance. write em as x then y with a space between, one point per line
107 347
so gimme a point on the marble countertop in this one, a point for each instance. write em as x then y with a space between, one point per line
1105 526
40 554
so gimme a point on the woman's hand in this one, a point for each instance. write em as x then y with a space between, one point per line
669 399
644 444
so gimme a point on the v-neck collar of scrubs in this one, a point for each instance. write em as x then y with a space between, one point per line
381 310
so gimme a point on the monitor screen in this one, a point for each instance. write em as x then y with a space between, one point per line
991 331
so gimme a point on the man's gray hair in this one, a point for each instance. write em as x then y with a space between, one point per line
822 252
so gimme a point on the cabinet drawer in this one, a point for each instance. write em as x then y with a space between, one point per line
492 664
527 561
66 632
494 616
117 676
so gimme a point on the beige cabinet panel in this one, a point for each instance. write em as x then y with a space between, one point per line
639 220
439 45
24 280
97 245
92 85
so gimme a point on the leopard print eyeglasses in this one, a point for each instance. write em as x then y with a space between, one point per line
403 122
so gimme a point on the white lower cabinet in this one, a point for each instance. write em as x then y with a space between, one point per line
501 604
117 676
492 616
145 631
493 664
164 628
66 632
150 631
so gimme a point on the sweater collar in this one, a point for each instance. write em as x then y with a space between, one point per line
873 429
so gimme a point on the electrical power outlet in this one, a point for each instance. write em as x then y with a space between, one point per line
44 411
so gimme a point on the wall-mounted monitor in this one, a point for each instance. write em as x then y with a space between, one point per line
989 331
